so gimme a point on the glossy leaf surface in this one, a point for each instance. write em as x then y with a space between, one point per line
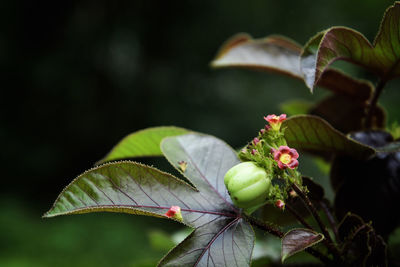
297 240
282 55
313 134
221 236
142 143
341 43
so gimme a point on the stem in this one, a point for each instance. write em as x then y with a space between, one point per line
278 233
327 241
263 226
331 219
372 105
298 217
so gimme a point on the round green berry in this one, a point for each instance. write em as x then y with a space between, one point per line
248 185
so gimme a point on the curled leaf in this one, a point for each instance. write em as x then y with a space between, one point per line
281 55
297 240
341 43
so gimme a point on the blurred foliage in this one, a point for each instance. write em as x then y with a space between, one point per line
80 75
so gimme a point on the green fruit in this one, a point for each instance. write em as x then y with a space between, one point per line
248 185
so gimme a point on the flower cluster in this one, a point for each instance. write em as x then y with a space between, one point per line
269 151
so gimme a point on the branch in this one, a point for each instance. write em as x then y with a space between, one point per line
327 241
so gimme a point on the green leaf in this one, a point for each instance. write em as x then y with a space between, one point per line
297 240
313 134
221 236
282 55
142 143
296 107
341 43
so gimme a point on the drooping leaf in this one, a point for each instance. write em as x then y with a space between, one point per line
142 143
273 53
313 134
221 236
341 43
282 55
297 240
347 114
219 242
133 188
224 241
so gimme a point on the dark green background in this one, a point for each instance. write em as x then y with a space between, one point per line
80 75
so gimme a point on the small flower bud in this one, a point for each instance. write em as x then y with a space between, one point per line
256 141
262 131
182 165
253 151
280 204
293 193
174 212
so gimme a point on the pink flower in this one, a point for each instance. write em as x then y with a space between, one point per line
286 157
275 121
280 204
253 151
174 212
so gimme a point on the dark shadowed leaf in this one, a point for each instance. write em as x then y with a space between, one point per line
347 114
142 143
315 191
361 245
340 43
313 134
297 240
282 55
221 236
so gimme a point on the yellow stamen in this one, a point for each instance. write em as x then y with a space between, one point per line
285 158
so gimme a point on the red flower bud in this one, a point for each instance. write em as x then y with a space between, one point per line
174 212
280 204
256 141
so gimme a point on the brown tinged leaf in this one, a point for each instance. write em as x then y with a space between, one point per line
341 43
313 134
297 240
281 55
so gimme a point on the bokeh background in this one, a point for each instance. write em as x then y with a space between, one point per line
80 75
